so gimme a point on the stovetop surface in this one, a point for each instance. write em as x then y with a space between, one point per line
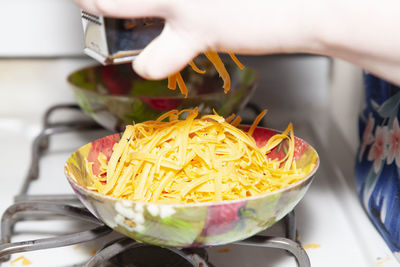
331 223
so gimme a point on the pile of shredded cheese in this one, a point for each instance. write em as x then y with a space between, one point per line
176 78
194 160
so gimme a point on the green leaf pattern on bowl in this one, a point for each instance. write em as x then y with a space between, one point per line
185 225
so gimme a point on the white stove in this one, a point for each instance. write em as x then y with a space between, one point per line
331 224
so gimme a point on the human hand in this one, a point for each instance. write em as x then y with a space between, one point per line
193 27
336 28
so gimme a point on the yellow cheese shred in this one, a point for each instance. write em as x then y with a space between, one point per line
23 259
195 68
172 81
181 84
236 60
218 64
172 160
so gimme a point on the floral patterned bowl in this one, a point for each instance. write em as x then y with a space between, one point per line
188 225
115 96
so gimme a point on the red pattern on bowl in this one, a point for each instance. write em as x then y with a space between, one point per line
194 224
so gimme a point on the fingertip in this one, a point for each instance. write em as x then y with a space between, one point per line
150 68
165 55
138 68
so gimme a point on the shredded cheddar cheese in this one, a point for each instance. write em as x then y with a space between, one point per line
195 68
23 260
312 246
236 60
381 261
218 64
194 160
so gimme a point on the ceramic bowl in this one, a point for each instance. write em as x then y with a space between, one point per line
189 225
115 96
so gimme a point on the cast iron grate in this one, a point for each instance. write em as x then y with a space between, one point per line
120 251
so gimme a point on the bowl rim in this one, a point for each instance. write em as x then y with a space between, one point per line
88 192
251 87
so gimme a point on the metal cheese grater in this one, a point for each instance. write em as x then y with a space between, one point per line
114 41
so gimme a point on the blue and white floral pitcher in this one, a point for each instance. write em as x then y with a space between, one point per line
378 159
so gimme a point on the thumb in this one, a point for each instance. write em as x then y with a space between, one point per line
166 54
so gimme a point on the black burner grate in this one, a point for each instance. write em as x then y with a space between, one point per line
121 251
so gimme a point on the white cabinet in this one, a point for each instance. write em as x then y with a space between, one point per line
40 28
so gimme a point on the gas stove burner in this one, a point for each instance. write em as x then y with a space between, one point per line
120 251
126 252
